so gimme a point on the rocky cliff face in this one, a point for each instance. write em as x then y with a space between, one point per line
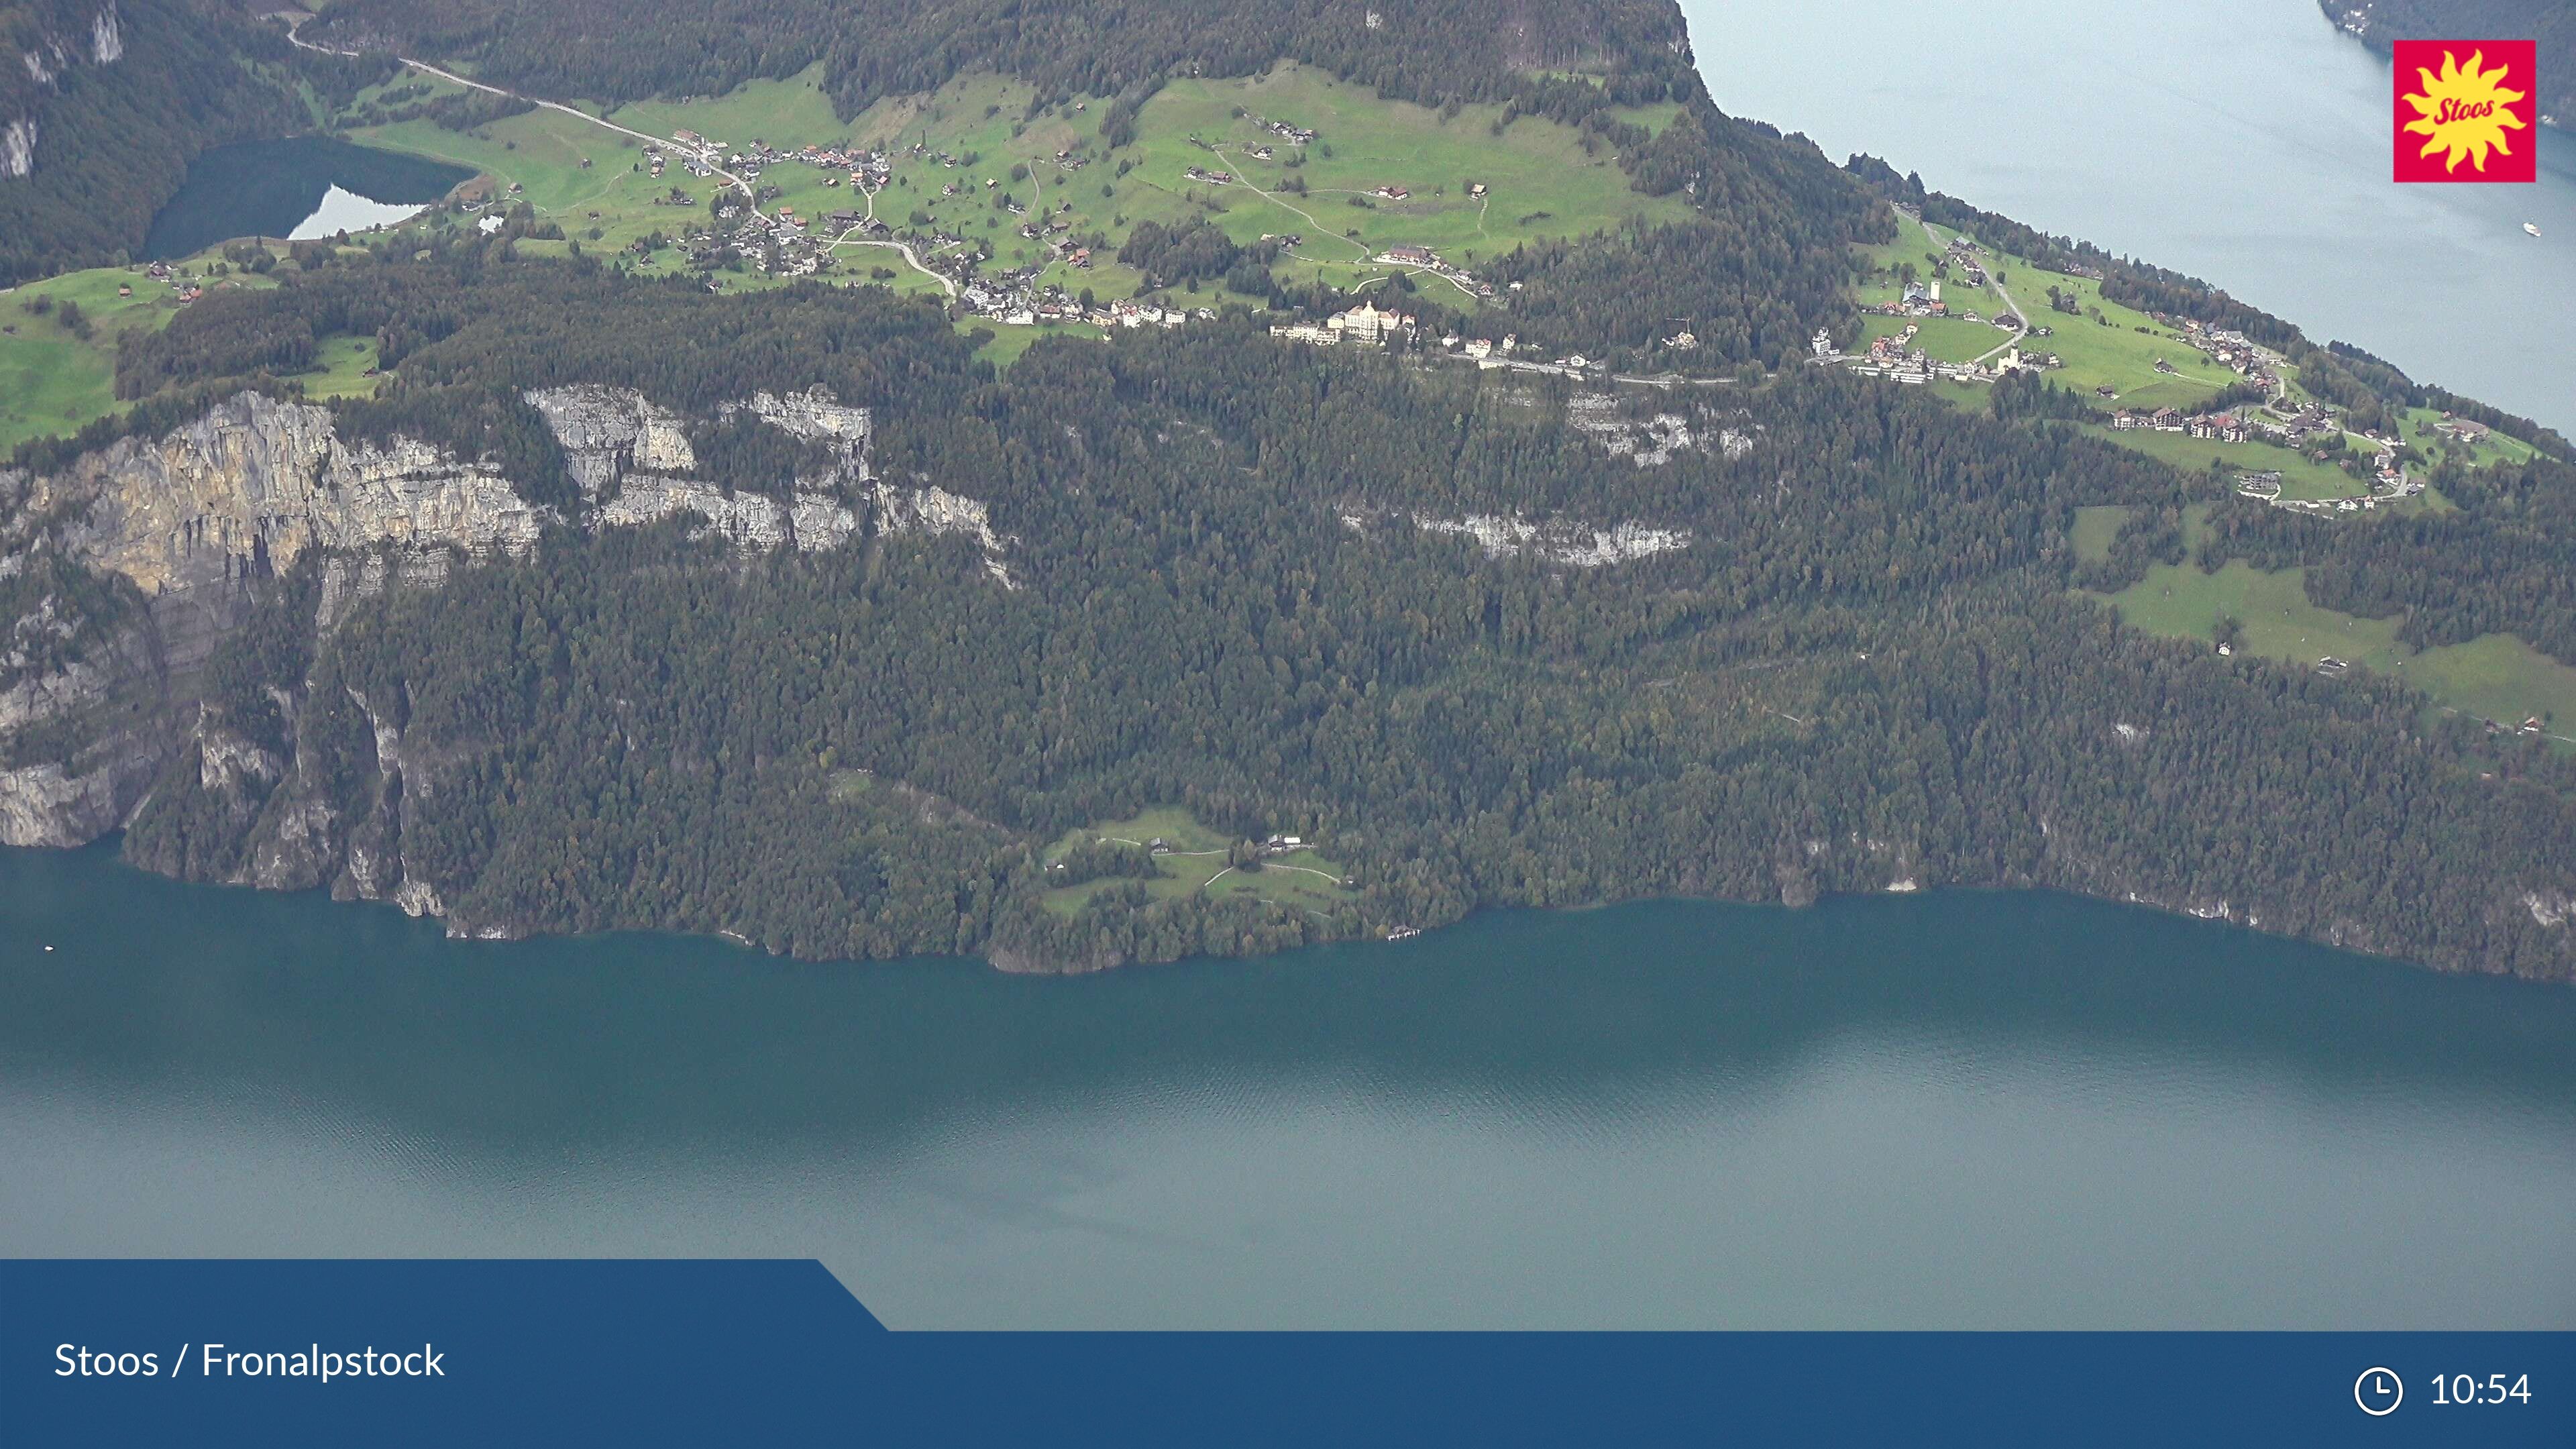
631 457
18 148
49 39
100 711
255 482
1558 541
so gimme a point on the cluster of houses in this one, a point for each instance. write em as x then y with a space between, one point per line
869 169
696 153
1368 323
1054 229
1293 135
2388 489
2391 483
187 291
2229 349
1016 298
2015 359
1963 254
1895 356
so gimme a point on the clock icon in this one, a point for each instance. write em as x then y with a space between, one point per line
2378 1392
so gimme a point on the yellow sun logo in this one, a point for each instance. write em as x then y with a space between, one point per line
2463 111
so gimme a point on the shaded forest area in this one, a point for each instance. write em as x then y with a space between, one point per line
621 50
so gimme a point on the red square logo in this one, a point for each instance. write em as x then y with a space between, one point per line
2465 110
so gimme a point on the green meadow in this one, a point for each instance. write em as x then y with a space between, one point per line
2495 676
2095 528
1544 180
2301 475
1298 879
1541 180
53 381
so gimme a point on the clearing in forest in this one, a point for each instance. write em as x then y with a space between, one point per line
1196 860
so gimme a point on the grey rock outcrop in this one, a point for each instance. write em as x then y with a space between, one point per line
52 49
608 432
185 525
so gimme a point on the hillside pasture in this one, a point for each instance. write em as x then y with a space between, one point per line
2496 676
1196 862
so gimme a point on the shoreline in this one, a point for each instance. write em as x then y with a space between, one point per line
1014 961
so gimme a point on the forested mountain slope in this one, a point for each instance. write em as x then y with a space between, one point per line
1494 642
623 603
613 50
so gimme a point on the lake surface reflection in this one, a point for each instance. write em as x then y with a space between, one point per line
1964 1109
288 187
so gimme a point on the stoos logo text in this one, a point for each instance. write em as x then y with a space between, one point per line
2465 110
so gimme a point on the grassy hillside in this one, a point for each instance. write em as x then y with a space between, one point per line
1542 181
1196 862
2103 343
2496 677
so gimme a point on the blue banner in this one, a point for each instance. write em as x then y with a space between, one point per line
760 1352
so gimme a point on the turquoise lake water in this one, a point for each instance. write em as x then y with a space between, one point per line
1960 1109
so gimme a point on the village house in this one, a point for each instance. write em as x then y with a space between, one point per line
1410 256
2462 429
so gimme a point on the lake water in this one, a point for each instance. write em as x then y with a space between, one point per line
305 186
2245 142
1958 1109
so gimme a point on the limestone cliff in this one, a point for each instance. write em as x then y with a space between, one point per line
165 543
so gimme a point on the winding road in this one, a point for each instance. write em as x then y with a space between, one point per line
1992 280
845 239
1246 183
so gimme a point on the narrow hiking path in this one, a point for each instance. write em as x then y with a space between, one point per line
1247 183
